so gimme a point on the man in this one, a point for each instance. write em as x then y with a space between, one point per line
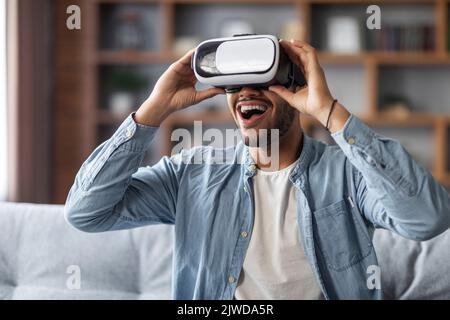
303 231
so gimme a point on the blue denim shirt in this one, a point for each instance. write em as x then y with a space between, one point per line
367 181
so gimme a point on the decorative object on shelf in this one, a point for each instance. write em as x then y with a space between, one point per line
129 33
121 102
184 44
230 27
396 107
123 86
293 30
344 35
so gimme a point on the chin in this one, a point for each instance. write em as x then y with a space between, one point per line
259 136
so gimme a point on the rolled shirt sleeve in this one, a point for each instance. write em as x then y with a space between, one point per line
397 193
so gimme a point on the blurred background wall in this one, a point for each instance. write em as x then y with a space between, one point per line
70 89
29 86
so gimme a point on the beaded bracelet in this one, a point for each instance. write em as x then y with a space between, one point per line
329 114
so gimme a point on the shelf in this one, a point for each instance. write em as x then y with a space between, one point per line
106 117
416 58
133 57
385 58
334 58
412 120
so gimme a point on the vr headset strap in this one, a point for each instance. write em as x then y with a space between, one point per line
295 76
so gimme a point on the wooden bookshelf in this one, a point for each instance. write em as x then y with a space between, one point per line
80 80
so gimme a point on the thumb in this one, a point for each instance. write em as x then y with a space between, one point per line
208 93
283 93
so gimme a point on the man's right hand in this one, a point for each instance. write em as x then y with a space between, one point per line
174 90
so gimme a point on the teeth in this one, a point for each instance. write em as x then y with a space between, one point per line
248 108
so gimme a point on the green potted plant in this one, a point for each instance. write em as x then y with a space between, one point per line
124 84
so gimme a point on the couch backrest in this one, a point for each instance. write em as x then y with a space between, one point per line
40 256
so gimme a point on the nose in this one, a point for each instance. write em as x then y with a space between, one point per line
248 92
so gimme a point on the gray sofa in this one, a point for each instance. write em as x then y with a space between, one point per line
39 253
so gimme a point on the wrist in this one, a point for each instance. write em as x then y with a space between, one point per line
338 118
322 114
332 115
151 114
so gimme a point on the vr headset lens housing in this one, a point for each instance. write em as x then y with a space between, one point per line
235 62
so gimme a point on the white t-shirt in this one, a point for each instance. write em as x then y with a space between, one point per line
275 266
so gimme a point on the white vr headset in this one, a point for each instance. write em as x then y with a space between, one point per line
245 60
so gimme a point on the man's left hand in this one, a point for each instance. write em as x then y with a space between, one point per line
315 99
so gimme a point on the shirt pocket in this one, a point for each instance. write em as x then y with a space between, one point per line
341 237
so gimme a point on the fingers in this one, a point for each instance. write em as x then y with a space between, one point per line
307 55
208 93
311 53
297 58
304 52
301 44
183 65
291 53
284 93
297 55
186 59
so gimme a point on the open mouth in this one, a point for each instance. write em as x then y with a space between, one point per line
252 111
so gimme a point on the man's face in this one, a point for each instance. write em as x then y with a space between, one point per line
255 109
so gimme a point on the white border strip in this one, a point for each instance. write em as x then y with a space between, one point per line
3 106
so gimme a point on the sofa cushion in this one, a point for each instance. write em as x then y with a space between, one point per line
411 269
38 249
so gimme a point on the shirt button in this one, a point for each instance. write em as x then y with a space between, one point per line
245 189
244 234
252 167
129 133
351 140
231 279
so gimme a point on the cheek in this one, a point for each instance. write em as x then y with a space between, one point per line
230 100
274 99
281 111
230 104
